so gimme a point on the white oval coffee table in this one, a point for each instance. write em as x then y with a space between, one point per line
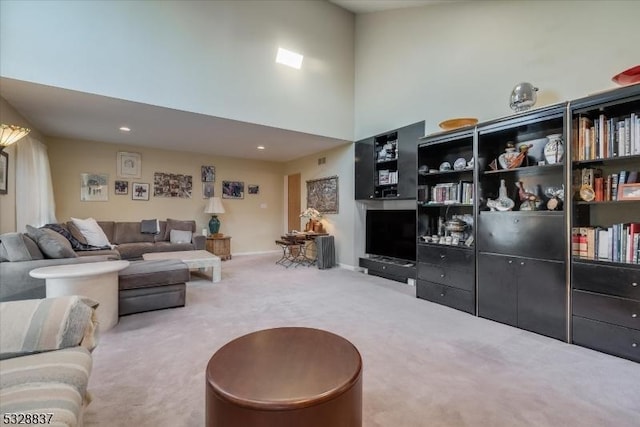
96 280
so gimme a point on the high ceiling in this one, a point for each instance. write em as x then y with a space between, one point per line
62 113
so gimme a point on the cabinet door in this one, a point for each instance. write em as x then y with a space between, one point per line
542 297
407 159
364 169
497 289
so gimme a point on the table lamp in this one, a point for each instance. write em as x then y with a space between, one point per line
214 207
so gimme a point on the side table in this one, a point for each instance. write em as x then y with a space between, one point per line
220 246
96 280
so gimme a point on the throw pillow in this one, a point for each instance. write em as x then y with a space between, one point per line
75 243
150 226
175 224
77 234
52 244
180 236
18 247
91 231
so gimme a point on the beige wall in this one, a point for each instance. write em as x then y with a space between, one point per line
8 115
252 222
339 162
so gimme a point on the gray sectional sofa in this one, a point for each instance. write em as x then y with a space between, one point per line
130 243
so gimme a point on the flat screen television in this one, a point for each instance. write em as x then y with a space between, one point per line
391 233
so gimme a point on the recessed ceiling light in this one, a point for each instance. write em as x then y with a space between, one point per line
289 58
125 129
260 147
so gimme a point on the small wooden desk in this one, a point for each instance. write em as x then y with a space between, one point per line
219 246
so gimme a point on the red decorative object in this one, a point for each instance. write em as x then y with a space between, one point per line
627 77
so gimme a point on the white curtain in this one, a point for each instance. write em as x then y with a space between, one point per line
34 191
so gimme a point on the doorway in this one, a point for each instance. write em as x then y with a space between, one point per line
293 204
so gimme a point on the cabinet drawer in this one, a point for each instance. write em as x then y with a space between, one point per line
527 234
408 271
618 281
616 340
619 311
446 295
460 259
446 276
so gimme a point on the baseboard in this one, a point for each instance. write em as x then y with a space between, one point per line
349 267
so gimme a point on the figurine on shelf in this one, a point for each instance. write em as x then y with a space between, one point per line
529 201
503 202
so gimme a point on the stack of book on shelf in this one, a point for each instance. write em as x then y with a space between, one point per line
452 192
604 137
606 188
386 177
618 243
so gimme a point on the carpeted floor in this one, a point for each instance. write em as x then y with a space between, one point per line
424 364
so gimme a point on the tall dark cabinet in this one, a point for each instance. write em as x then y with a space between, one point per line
446 259
521 228
606 275
385 164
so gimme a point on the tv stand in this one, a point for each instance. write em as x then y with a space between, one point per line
400 270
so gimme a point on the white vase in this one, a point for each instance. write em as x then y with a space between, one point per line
554 149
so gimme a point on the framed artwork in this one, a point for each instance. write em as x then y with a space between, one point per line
207 190
208 173
172 185
253 189
232 190
129 165
121 188
4 172
94 187
322 194
139 191
629 191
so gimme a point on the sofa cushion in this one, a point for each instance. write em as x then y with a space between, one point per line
18 247
129 232
53 382
180 236
144 274
150 226
40 325
135 250
175 224
52 244
91 231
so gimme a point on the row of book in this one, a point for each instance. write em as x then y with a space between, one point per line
609 187
452 192
617 243
387 176
604 137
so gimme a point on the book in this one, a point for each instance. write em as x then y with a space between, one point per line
603 243
591 242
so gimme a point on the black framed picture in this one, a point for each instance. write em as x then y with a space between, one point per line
4 172
140 191
121 187
232 190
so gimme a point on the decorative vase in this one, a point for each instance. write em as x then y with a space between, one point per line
214 224
554 149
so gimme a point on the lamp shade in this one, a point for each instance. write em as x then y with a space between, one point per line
214 206
10 134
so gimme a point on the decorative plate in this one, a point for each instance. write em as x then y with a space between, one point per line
627 77
457 123
445 166
459 164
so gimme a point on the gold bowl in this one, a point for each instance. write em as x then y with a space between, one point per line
457 123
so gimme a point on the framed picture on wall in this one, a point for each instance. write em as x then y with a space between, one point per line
139 191
232 190
322 194
207 190
253 189
4 172
121 188
94 187
129 165
208 173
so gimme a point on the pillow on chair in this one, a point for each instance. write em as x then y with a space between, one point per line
91 231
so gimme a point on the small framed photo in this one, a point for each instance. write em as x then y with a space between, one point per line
129 165
4 172
121 188
207 190
208 173
629 191
232 190
94 187
253 189
139 191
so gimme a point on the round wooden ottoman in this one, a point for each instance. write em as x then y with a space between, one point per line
285 377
